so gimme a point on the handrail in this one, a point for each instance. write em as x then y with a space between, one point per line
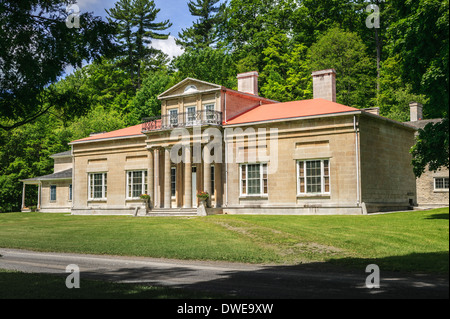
187 119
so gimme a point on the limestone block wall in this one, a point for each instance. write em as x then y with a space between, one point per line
427 195
387 178
62 202
330 138
115 158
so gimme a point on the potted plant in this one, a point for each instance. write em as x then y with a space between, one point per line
146 200
202 196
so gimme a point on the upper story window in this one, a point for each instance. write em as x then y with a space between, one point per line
209 112
173 117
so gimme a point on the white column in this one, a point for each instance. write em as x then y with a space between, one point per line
167 192
156 184
207 171
23 196
187 179
151 177
39 196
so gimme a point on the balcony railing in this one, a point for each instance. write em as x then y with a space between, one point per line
175 120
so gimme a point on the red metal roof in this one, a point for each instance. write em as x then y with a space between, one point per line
260 113
289 110
128 131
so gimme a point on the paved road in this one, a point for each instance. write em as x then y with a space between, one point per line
241 280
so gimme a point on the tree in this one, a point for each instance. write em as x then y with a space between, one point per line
203 33
421 36
431 148
346 53
286 75
395 95
146 103
135 30
210 65
35 48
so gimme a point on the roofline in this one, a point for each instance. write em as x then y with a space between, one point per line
389 120
107 139
256 97
185 80
61 156
38 180
295 118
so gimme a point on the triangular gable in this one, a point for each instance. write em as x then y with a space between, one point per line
189 86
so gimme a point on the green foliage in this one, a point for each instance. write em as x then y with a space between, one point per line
146 103
210 65
286 76
136 27
421 36
431 148
346 53
35 48
395 94
203 33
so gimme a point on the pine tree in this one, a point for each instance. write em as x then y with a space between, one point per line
135 30
202 34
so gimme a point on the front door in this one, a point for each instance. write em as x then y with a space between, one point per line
194 186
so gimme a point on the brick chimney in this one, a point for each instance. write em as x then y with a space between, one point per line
415 111
324 84
248 82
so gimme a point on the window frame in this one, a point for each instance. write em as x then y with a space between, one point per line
143 184
322 192
263 182
443 188
209 113
173 117
104 185
193 120
53 187
173 182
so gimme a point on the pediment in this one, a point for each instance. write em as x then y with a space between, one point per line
188 87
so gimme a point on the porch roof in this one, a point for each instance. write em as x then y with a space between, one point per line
62 175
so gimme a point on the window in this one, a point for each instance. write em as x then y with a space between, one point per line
209 112
313 177
173 114
212 180
97 186
173 181
53 193
136 183
70 191
190 115
254 179
441 183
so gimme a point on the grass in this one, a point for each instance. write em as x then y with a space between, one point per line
406 241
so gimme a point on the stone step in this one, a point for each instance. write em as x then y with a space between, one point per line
172 212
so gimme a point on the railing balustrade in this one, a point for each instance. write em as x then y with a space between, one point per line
175 119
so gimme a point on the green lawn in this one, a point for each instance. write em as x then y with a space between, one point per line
406 241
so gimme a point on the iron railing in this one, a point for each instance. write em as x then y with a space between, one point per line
175 120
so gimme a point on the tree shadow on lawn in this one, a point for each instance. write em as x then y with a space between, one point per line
331 280
438 216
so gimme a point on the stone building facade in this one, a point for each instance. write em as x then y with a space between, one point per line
252 155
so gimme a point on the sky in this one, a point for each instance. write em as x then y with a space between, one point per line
174 10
